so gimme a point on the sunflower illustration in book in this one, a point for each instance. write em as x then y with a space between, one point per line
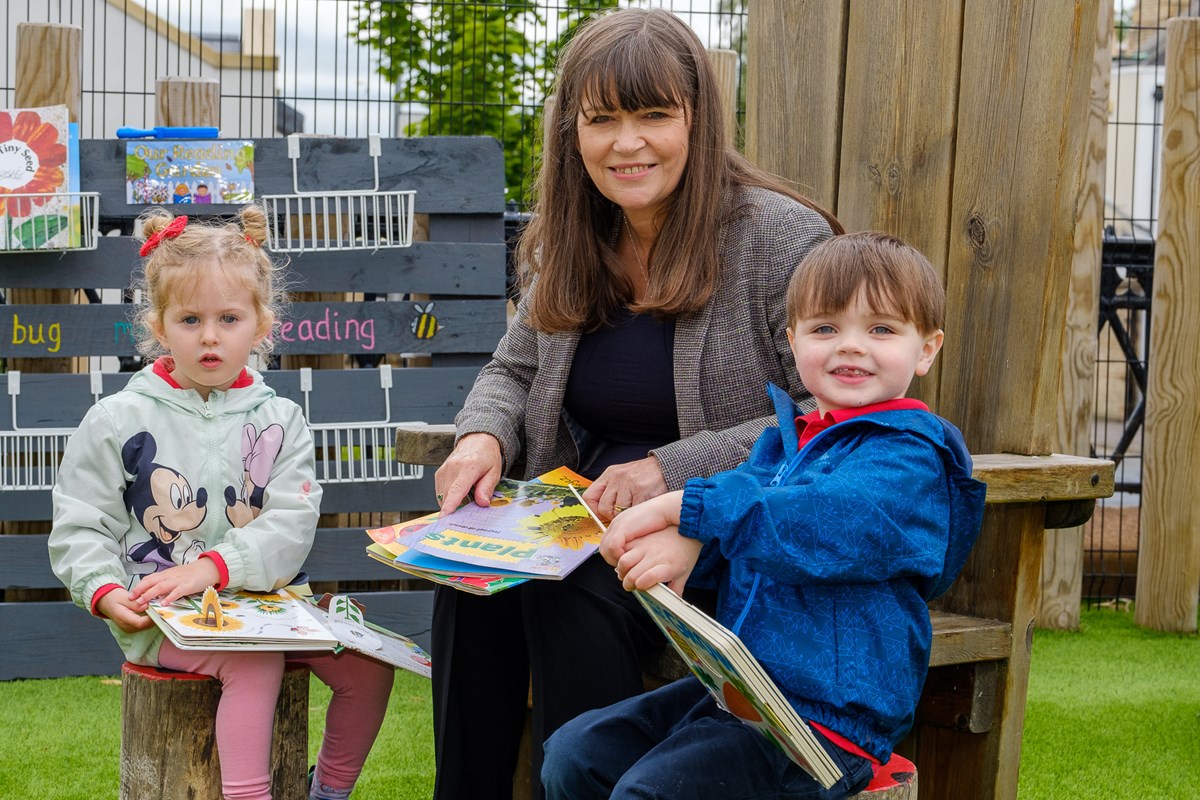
212 616
568 526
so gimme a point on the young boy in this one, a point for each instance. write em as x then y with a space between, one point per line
826 545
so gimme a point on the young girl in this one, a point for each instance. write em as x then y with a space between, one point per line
196 474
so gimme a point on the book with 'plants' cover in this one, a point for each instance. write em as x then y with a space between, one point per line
531 529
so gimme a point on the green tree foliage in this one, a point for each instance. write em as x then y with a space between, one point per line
479 67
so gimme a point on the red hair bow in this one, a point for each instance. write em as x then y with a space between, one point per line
170 232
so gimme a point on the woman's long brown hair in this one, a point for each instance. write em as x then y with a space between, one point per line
632 59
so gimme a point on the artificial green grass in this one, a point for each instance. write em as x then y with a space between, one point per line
61 740
1113 713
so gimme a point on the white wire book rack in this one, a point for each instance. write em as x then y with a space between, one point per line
347 219
32 222
347 452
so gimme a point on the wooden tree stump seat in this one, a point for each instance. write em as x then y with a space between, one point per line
895 780
168 738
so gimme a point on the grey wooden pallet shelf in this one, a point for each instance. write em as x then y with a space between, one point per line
460 269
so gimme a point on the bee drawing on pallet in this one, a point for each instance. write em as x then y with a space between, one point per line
425 324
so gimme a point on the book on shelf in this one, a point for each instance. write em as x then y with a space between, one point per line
241 620
535 529
35 178
720 660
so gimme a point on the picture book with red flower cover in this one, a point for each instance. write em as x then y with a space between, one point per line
35 179
732 675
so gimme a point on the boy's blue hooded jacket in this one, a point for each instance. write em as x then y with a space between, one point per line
825 559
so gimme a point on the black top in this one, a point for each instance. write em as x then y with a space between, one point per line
621 390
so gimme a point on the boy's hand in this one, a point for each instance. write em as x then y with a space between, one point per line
128 614
656 514
662 557
176 582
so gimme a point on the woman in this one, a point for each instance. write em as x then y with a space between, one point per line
653 314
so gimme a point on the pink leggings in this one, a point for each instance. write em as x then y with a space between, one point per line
249 689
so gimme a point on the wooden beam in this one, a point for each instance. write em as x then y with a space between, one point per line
1168 580
902 86
725 65
1024 81
794 93
1062 560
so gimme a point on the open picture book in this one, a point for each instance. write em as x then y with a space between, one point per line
735 678
240 620
532 529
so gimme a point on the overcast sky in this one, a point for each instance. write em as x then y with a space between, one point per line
323 73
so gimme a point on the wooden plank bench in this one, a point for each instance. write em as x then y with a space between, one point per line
967 736
458 265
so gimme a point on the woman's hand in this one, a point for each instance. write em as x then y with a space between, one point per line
176 582
623 486
475 465
128 614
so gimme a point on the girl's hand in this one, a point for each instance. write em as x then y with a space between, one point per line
662 557
176 582
623 486
658 514
129 615
476 464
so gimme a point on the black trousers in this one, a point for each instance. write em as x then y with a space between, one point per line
581 639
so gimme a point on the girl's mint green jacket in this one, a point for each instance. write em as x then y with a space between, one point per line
155 476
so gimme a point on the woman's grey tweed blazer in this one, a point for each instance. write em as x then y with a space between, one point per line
724 355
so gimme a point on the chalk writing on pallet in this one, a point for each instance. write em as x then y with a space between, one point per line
31 331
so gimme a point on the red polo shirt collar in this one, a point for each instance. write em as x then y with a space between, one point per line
809 425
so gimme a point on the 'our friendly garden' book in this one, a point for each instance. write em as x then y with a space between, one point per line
240 620
735 678
534 529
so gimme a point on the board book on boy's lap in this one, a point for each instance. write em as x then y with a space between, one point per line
240 620
531 530
736 680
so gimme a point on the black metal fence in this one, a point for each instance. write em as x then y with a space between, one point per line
470 67
340 67
1126 283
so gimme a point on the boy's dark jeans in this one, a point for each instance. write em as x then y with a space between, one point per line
676 743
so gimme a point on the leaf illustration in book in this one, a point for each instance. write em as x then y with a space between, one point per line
346 620
531 528
34 205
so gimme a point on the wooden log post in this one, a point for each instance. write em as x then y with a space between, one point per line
1168 576
725 65
1062 559
168 735
49 58
188 100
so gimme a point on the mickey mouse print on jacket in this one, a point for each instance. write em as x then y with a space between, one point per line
154 476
